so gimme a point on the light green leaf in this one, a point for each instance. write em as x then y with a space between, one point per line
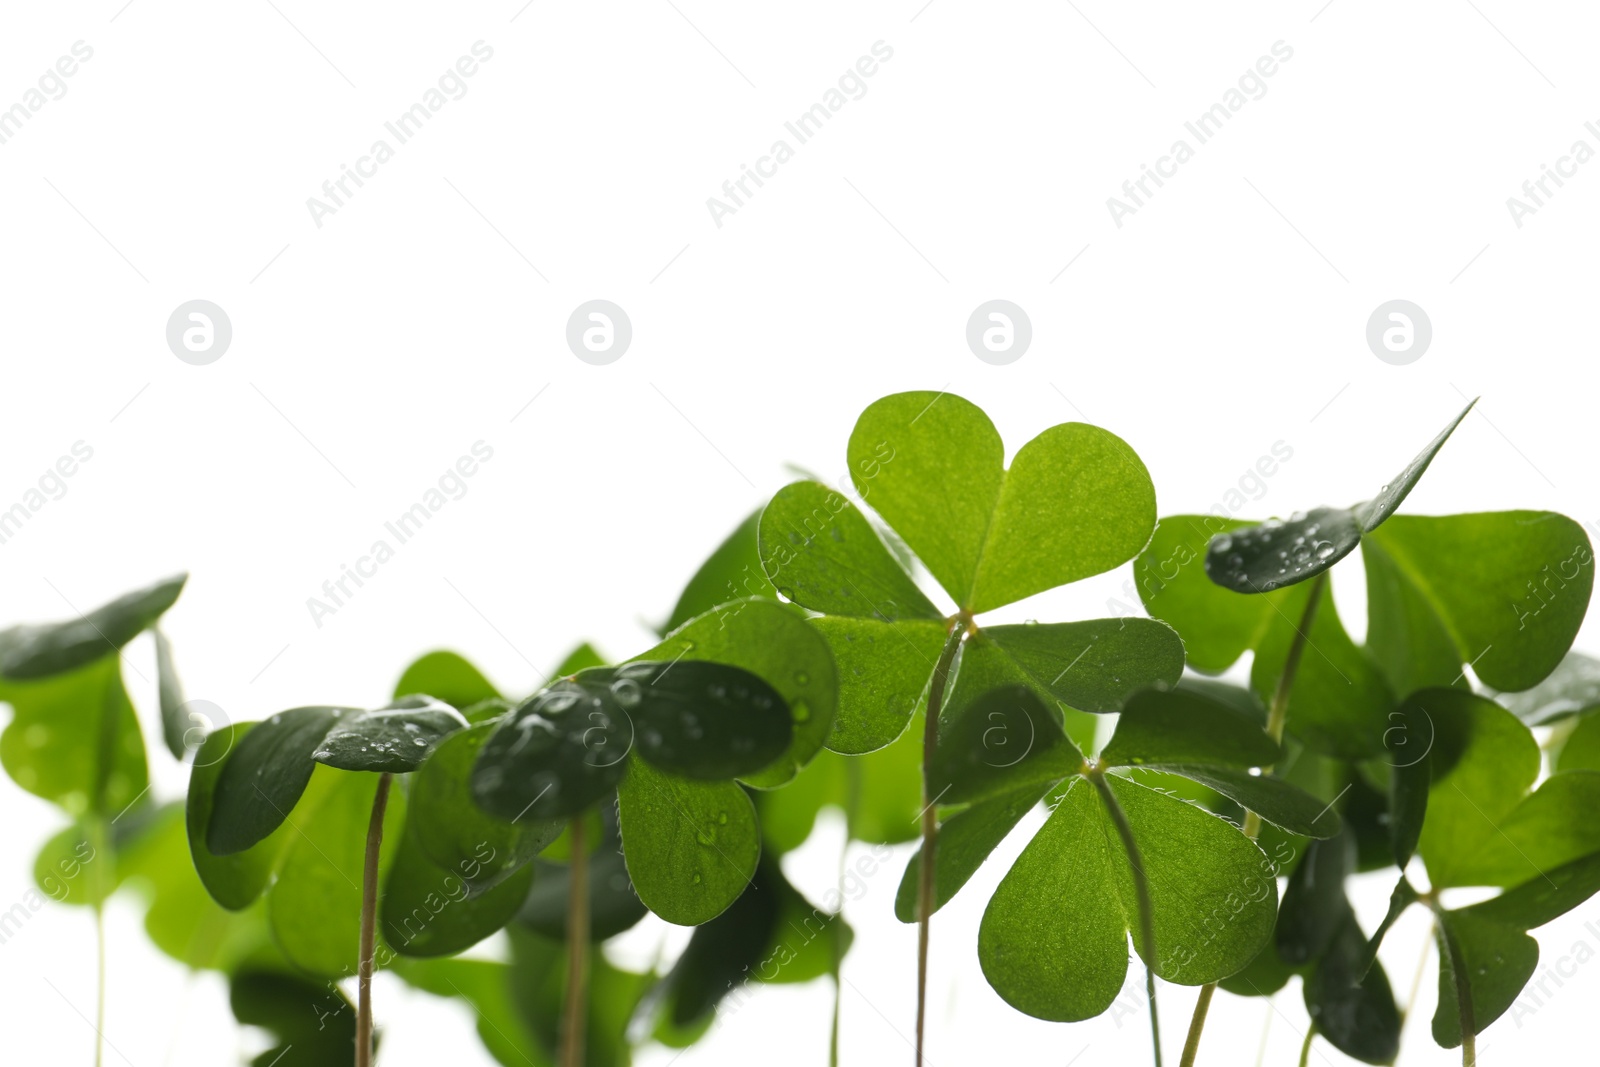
884 669
36 651
822 554
691 847
1217 626
1195 864
74 739
1076 502
1581 749
1510 587
1553 826
446 676
932 465
1484 761
314 907
1045 957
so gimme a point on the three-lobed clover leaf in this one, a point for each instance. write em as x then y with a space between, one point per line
1066 961
1075 502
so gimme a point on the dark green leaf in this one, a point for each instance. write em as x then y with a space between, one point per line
37 651
1274 799
393 740
1314 905
1278 553
1544 897
1410 741
965 841
446 676
780 648
236 879
261 780
691 847
1096 665
555 755
822 553
1177 726
697 719
1482 964
431 910
732 572
1354 1011
311 1018
1216 626
613 905
174 720
454 832
1004 741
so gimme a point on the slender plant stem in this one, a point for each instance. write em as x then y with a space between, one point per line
369 922
97 834
576 1011
1141 887
930 814
1277 714
1451 952
1305 1047
854 773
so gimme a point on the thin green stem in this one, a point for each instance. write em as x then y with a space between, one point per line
1277 716
576 1012
1141 887
930 814
1305 1047
369 922
854 774
1451 951
97 835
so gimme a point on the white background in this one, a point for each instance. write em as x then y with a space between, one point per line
368 354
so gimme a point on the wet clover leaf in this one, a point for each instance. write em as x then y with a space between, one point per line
394 739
